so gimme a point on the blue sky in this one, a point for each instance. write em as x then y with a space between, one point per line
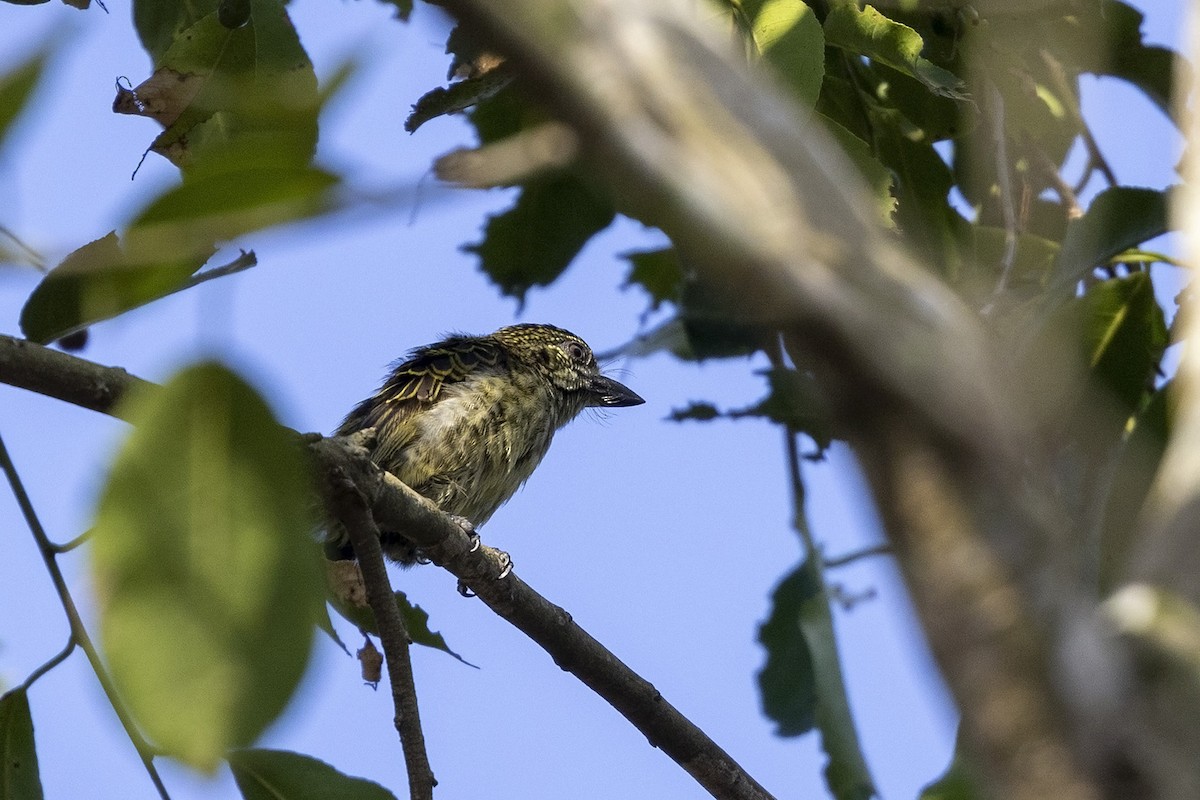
663 540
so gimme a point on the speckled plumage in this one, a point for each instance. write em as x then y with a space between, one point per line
465 421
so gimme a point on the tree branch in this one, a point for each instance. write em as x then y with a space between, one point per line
772 218
349 506
395 506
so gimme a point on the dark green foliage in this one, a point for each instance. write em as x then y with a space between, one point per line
801 683
533 242
19 776
1117 220
280 775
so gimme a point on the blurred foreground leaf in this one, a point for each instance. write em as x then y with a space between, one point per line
208 576
17 85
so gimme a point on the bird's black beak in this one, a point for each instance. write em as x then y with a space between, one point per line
612 394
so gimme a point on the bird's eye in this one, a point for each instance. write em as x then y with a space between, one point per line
576 351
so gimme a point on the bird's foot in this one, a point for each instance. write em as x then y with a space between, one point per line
468 528
506 568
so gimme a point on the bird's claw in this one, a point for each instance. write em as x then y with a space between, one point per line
506 565
506 568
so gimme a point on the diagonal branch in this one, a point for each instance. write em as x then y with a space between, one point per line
394 506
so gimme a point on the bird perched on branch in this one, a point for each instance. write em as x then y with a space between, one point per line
466 420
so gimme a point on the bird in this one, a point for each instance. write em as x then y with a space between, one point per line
466 420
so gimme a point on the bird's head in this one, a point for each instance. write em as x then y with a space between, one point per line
567 362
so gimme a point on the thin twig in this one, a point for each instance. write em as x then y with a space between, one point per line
68 546
78 632
350 508
1064 190
49 665
883 549
245 260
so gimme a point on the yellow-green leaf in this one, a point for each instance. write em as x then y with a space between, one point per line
206 565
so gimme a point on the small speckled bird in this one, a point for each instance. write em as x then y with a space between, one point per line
465 421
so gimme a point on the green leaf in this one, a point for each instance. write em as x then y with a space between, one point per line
249 89
867 32
533 242
1137 464
789 36
17 87
458 96
167 242
787 682
205 564
1124 336
956 783
19 777
795 401
283 775
96 282
416 621
801 683
159 24
659 272
697 411
502 115
1118 219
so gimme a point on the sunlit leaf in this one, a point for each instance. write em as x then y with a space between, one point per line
208 576
168 242
19 776
867 32
282 775
788 34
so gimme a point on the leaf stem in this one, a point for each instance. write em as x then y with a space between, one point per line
883 549
49 665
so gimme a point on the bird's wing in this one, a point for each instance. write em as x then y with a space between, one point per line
417 382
